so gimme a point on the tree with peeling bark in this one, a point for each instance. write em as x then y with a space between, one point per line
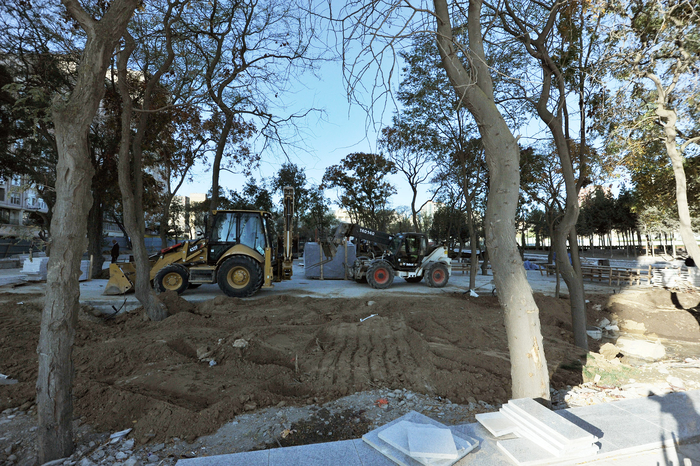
72 118
131 149
654 48
552 34
378 30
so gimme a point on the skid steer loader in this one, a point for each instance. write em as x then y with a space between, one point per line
405 255
237 253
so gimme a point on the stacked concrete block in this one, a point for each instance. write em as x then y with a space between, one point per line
333 268
667 278
694 276
543 436
84 271
35 269
12 280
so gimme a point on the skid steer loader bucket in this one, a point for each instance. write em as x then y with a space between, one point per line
121 278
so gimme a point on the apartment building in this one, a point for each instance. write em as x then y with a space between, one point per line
17 199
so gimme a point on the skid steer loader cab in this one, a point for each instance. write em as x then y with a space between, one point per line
408 249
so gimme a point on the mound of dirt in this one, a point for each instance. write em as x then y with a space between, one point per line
191 373
658 313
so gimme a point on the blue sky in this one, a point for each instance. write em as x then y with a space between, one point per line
341 130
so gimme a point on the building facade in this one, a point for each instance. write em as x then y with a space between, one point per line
17 200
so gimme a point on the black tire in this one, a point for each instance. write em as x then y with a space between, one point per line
437 275
380 275
414 279
240 277
173 277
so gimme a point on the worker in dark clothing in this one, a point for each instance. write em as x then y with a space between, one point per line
115 251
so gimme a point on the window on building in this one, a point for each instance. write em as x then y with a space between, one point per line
16 180
10 216
15 198
2 194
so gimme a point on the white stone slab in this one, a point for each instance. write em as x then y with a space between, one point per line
551 424
529 432
464 443
430 442
397 436
496 423
525 453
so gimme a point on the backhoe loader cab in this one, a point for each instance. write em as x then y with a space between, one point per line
237 253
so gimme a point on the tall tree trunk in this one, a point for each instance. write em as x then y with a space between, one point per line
95 236
414 213
473 240
639 240
529 373
669 119
72 119
216 166
60 315
165 220
131 185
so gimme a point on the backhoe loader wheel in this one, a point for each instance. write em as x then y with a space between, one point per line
240 277
380 275
437 275
414 279
173 277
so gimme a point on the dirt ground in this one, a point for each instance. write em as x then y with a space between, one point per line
188 375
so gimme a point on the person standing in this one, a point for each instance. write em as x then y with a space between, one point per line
115 251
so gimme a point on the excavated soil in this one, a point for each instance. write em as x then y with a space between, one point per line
189 374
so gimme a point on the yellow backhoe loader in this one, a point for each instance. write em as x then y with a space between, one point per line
237 253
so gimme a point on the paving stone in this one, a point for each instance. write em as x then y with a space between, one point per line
319 454
370 456
627 432
249 458
431 442
524 452
676 413
624 433
496 423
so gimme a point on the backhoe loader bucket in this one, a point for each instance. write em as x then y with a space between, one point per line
121 278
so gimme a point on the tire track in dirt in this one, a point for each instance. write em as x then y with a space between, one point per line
382 352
